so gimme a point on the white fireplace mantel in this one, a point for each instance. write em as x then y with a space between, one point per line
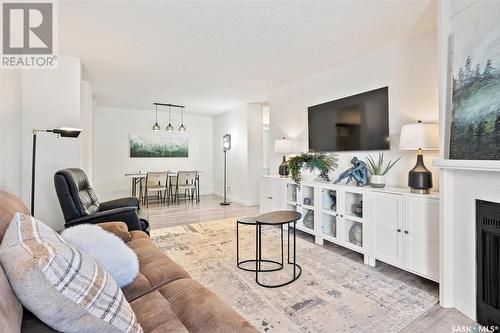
474 165
462 183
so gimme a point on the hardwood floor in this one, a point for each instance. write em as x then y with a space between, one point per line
187 212
436 319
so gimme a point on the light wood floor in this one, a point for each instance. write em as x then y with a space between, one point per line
187 212
437 319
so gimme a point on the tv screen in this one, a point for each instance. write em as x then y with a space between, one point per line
359 122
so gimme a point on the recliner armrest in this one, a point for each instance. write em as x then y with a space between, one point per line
118 203
118 228
127 215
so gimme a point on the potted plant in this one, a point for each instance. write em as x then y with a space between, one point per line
378 170
314 164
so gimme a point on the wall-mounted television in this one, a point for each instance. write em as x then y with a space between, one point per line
358 122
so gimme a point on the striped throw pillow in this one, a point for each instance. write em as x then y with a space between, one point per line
63 286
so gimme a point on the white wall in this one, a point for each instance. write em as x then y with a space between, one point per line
233 122
10 130
244 160
87 125
111 161
51 99
255 151
408 67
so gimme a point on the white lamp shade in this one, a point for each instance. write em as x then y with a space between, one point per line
419 136
284 146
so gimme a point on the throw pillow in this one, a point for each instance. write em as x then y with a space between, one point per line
60 284
107 249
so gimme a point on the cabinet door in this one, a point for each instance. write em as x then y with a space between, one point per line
421 236
266 196
278 194
387 217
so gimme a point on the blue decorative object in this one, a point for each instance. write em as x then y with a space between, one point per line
358 171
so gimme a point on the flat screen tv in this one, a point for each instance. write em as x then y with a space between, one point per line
359 122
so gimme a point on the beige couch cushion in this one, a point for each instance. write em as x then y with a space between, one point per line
155 268
9 206
11 311
61 285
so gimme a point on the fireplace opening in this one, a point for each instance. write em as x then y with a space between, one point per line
488 262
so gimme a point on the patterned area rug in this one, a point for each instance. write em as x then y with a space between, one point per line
333 294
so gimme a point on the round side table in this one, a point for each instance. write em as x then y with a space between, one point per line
240 264
279 218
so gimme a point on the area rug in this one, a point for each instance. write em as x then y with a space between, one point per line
333 294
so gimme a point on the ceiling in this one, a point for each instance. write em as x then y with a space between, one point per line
213 56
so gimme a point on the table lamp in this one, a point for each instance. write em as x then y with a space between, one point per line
419 137
283 146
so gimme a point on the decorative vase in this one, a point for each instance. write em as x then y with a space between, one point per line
357 209
333 197
356 235
309 219
377 181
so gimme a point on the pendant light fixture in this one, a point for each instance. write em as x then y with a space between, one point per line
169 128
182 128
156 127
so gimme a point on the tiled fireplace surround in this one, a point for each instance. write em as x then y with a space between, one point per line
462 183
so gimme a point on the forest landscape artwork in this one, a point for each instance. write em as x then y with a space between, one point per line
475 127
158 146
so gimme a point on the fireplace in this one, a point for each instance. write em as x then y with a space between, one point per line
488 262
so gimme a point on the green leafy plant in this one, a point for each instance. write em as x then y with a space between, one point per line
377 168
310 161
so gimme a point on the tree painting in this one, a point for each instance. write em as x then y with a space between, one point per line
158 146
475 127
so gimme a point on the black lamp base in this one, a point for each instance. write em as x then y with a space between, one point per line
420 178
225 203
283 169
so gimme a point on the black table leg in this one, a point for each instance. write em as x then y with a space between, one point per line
258 256
237 244
257 260
133 187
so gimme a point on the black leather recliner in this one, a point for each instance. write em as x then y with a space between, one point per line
79 203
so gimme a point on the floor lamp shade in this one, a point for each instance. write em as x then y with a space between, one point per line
283 146
63 132
226 142
226 145
419 136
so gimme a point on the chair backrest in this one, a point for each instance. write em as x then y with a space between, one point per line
76 196
186 177
156 178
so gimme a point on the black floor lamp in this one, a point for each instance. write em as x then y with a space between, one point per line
226 145
63 132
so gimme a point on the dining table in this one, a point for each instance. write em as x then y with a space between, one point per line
137 177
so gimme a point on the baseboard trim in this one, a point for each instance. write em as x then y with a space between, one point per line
238 201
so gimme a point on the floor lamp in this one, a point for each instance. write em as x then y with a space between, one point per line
63 132
226 145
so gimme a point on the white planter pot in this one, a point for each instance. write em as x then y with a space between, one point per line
308 175
377 181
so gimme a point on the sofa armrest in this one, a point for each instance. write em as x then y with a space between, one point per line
118 203
118 228
128 215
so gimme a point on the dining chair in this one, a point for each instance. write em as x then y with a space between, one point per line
156 182
186 181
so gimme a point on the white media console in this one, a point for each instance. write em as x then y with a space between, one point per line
390 224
